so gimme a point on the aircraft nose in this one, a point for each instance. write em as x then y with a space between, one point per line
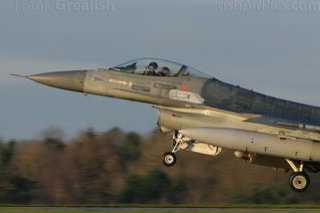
69 80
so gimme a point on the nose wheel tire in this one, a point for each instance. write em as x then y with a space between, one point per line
299 181
169 159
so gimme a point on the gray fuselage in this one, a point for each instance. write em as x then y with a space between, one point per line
217 94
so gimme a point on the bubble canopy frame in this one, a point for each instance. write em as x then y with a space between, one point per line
140 65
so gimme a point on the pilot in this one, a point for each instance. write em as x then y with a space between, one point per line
165 71
151 69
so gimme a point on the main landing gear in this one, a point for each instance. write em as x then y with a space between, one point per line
299 180
169 158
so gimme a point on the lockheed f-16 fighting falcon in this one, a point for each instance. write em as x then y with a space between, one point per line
206 115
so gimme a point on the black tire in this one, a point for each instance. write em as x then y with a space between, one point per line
299 181
169 159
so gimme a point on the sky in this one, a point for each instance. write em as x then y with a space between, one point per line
270 46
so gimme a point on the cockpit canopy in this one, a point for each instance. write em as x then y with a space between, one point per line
157 67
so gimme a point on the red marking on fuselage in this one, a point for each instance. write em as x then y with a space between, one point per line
183 88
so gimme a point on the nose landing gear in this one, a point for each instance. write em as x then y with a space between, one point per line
169 158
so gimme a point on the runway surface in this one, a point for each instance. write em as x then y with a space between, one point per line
166 209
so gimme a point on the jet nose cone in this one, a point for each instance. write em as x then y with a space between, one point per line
69 80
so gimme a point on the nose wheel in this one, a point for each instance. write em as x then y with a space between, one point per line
169 159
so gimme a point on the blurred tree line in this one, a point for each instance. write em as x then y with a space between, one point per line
119 167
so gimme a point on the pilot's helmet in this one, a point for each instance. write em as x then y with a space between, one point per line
153 65
165 70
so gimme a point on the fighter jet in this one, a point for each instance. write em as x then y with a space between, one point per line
206 115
